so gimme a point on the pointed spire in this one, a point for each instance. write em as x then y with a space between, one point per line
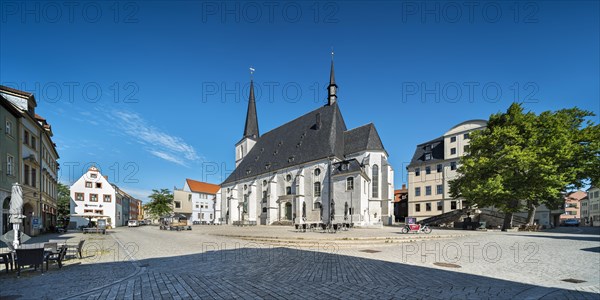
251 128
332 88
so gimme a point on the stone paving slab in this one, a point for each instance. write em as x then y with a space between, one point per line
179 265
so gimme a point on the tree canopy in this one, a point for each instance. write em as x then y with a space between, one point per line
160 205
521 160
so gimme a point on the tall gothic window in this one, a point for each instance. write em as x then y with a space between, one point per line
375 181
317 188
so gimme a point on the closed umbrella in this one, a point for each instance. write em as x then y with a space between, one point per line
16 211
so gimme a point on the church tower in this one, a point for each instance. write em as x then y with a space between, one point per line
332 88
251 135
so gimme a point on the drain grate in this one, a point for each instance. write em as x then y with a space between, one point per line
571 280
369 251
447 265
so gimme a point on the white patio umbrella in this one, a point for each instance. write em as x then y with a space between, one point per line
90 216
16 211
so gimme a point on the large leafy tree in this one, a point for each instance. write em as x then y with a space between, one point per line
160 205
521 160
63 203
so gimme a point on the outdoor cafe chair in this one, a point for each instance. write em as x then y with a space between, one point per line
58 256
76 249
6 259
30 257
50 247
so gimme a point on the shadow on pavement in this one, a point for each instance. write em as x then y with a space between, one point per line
269 272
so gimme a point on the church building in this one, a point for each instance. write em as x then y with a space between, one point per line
310 170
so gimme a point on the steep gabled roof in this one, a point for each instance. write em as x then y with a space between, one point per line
316 135
361 139
202 187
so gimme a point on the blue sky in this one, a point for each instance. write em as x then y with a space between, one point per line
156 92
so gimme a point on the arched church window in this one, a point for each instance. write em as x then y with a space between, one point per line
375 177
317 172
317 188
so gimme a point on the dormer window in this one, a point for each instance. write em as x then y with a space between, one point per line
344 166
291 159
427 148
248 171
427 156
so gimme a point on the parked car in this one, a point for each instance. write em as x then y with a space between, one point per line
572 222
133 223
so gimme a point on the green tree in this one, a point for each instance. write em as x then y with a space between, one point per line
63 203
160 203
521 160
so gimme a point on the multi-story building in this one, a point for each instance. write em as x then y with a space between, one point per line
311 169
37 165
140 210
572 205
197 200
92 193
594 206
584 213
9 159
401 204
433 166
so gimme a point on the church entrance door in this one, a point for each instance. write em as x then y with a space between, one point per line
288 211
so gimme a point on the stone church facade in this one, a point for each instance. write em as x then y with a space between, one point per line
310 170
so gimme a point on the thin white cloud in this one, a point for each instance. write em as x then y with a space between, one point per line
158 143
168 157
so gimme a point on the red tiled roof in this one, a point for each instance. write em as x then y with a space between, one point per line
202 187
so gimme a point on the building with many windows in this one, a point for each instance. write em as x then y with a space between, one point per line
92 193
36 162
9 159
593 206
433 166
199 201
312 169
573 205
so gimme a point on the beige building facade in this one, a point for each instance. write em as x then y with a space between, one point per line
433 166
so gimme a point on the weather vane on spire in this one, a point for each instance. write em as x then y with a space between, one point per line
252 72
332 53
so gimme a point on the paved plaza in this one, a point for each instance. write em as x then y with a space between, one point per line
224 262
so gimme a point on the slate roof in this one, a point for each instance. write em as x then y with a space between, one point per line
362 138
348 166
251 128
302 140
437 152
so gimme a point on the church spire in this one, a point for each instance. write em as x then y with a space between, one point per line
251 129
332 88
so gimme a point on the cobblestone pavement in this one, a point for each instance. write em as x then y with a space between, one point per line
224 262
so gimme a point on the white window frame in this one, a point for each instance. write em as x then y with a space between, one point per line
10 161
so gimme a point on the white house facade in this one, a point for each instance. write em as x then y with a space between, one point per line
309 170
203 197
92 193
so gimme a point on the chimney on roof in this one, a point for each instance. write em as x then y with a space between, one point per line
403 186
105 177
